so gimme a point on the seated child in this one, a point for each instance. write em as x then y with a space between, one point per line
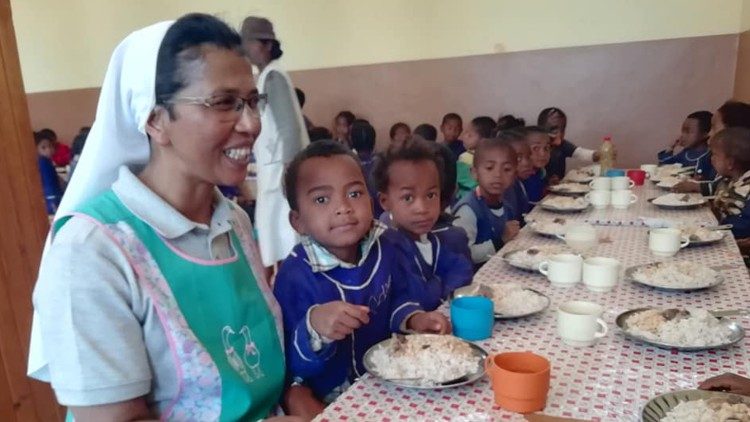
539 144
400 133
481 213
451 129
516 196
730 156
344 287
694 143
480 127
554 121
51 186
408 182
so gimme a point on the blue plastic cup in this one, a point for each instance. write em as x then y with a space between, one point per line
472 317
615 173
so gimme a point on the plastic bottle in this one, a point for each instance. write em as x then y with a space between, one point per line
606 155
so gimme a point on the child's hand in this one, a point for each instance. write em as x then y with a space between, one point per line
338 319
686 186
728 382
511 230
674 144
429 322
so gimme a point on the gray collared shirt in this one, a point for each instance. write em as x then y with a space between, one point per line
102 338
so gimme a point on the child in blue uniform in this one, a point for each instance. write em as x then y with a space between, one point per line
408 183
694 143
516 196
482 213
343 288
730 154
539 145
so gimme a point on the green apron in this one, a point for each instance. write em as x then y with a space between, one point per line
223 336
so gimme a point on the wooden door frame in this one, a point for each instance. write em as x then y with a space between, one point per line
24 226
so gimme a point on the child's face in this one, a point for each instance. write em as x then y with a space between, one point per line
45 148
400 137
413 196
471 137
495 171
451 130
524 169
334 207
691 134
342 128
539 144
720 160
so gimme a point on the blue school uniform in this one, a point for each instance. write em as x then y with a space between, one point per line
732 205
700 157
490 227
557 156
535 186
433 281
311 276
518 200
50 184
452 237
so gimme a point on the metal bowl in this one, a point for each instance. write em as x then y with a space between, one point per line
656 409
738 333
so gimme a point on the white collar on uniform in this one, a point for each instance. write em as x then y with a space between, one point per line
162 217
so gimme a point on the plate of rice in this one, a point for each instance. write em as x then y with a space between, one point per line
679 201
570 189
426 361
688 330
697 406
668 182
528 259
557 203
552 227
675 276
701 236
582 175
511 300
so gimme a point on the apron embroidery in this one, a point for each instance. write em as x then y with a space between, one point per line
247 366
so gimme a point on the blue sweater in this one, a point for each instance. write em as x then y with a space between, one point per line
432 283
452 237
699 156
535 186
50 184
517 199
380 282
489 226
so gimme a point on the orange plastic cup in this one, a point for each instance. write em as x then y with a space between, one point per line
520 380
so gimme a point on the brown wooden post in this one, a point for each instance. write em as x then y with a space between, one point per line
23 227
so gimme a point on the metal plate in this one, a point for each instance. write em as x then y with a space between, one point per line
738 333
480 354
707 242
546 207
476 290
558 190
534 227
656 409
631 270
679 207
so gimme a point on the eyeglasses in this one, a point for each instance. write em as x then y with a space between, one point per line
226 103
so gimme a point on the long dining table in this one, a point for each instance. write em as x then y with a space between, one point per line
609 381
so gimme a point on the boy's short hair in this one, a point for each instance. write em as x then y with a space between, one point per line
484 126
511 136
47 133
362 136
427 131
509 121
735 114
452 116
548 112
703 118
39 137
319 133
532 130
397 126
488 144
737 140
413 150
324 148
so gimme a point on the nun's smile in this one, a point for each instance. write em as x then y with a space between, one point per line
214 126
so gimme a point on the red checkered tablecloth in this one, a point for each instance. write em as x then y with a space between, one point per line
609 381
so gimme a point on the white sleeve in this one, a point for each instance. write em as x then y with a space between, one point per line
466 219
93 342
583 154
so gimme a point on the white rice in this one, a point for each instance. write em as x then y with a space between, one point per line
700 329
549 227
681 274
565 202
570 187
707 411
698 233
581 175
530 258
511 299
429 359
679 199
